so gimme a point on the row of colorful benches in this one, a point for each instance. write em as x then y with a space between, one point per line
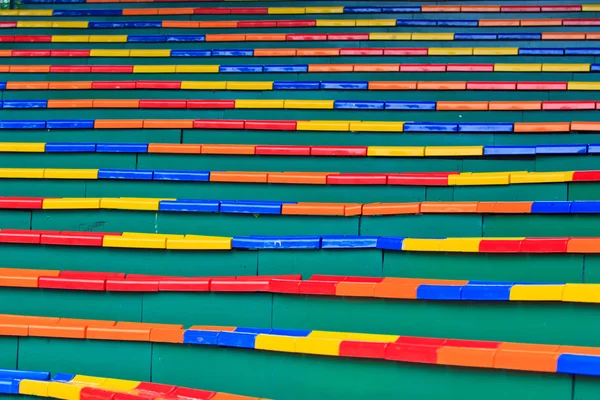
300 23
306 242
320 285
301 208
81 387
300 85
311 178
302 151
303 125
466 353
297 10
306 104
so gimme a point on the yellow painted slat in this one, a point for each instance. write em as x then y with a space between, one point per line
449 151
64 391
109 53
154 69
150 53
286 10
581 293
396 151
203 85
197 69
336 22
130 204
249 85
71 204
583 85
18 173
450 51
58 173
34 388
518 67
259 104
410 244
134 243
19 147
478 179
390 36
375 22
275 343
324 10
536 292
432 36
541 177
34 24
373 126
70 24
309 104
108 39
198 242
566 67
496 51
460 245
35 13
70 38
342 126
328 347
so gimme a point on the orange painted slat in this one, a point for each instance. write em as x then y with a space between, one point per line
299 178
317 52
515 105
377 68
70 103
140 11
452 9
583 245
466 357
391 208
274 52
442 85
542 127
219 24
25 68
526 360
304 208
86 322
392 85
225 37
264 37
116 103
330 67
506 207
234 176
70 85
563 36
541 22
175 148
462 105
181 24
70 332
119 123
448 207
23 272
585 126
175 11
166 335
480 8
355 289
248 149
168 123
27 85
499 22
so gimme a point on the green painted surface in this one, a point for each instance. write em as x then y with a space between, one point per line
8 352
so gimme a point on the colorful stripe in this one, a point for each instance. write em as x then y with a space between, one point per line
374 105
310 178
82 387
317 285
291 10
299 37
299 85
302 151
302 208
498 355
304 125
138 240
300 23
306 52
295 69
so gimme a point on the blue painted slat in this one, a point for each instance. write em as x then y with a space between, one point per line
87 13
348 242
70 124
593 148
595 68
416 22
519 36
22 374
196 336
390 243
583 51
430 127
61 377
401 9
183 205
146 39
411 105
240 68
24 104
129 174
237 339
122 147
290 332
9 386
358 105
16 124
253 330
191 53
509 150
485 127
296 85
591 207
106 25
2 85
439 292
285 68
551 207
345 85
561 149
251 207
168 175
361 10
577 364
185 38
143 24
70 147
541 52
486 292
475 36
458 22
233 53
276 242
